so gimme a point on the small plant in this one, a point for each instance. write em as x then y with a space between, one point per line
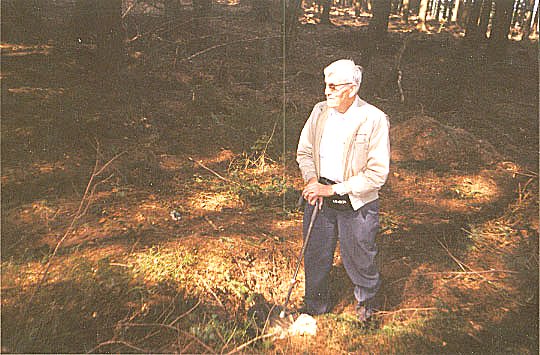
275 194
389 224
469 190
162 266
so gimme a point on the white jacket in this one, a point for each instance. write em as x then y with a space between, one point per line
366 155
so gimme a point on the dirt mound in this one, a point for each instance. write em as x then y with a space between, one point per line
424 139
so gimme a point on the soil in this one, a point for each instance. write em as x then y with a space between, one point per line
201 165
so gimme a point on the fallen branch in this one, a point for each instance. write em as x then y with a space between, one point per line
264 336
149 325
522 191
166 326
226 44
209 289
213 172
470 272
424 309
457 273
198 341
185 313
463 266
212 224
457 261
120 342
185 349
129 8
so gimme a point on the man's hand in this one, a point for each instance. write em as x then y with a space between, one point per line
315 191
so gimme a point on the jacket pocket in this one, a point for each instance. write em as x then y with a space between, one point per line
360 154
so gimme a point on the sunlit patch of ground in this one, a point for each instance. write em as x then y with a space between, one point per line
11 49
451 193
214 202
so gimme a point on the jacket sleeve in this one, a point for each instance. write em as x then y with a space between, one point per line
304 153
373 177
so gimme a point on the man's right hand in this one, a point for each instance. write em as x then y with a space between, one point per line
314 191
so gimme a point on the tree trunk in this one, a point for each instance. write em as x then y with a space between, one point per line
399 6
455 11
378 25
395 6
201 7
325 17
500 29
357 8
366 5
528 20
535 22
485 16
515 14
463 19
422 13
432 7
448 9
405 11
438 12
260 10
471 31
109 36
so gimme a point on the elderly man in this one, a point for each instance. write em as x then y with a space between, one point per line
344 156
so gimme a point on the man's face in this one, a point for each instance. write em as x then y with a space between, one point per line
338 92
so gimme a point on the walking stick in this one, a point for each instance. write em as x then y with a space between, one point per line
300 257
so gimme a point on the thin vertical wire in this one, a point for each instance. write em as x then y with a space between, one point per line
284 63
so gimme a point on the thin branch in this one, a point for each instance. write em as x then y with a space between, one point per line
106 165
457 273
422 309
176 329
470 272
212 224
184 350
522 190
460 264
185 313
209 289
130 8
189 335
399 76
397 68
463 266
121 342
89 200
264 336
226 44
86 199
213 172
146 325
262 156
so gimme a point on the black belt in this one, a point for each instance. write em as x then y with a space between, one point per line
338 202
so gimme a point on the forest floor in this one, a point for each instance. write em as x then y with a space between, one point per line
153 209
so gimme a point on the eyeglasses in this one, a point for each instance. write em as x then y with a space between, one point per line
335 87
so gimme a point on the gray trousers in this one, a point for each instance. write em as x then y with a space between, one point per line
356 232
